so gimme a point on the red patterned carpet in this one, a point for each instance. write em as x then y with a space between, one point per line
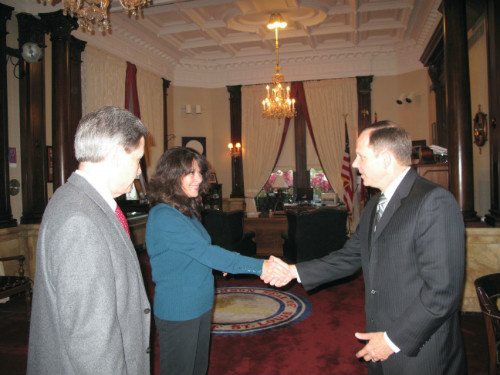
322 343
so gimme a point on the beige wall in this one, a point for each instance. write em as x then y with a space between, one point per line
413 116
213 123
479 97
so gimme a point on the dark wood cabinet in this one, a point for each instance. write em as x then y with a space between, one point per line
437 173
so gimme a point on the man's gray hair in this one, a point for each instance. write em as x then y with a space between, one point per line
387 135
104 128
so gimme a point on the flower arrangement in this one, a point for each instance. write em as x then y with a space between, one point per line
287 175
320 184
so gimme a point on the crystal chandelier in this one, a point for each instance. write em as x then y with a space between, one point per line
94 13
277 103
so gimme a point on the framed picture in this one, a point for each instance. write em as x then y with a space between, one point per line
50 165
196 143
212 178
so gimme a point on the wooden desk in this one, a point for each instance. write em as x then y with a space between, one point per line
267 234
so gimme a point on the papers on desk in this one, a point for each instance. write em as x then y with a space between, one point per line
329 199
439 150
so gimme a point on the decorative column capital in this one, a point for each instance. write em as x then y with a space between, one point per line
5 13
59 25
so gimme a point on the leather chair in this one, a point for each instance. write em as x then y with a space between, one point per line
226 230
14 285
488 292
313 234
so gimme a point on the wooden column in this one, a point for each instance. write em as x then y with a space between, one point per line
458 112
32 124
364 99
493 43
60 28
6 219
166 85
76 46
433 58
301 178
236 161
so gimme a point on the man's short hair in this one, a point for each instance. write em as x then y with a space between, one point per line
104 128
387 135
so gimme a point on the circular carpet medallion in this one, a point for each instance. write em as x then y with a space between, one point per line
241 310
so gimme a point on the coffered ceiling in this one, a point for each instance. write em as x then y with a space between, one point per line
213 43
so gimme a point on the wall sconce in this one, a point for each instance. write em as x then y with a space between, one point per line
234 150
401 99
480 129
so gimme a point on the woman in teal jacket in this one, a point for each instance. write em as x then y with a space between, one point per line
182 259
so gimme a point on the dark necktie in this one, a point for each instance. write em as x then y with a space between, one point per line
119 214
380 210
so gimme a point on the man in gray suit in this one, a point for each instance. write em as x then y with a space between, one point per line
90 311
412 254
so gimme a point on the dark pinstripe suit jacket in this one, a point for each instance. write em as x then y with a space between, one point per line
413 267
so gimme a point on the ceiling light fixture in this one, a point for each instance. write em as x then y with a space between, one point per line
277 103
94 13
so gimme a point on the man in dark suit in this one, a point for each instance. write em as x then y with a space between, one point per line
91 314
412 258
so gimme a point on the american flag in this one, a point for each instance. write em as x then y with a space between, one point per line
346 175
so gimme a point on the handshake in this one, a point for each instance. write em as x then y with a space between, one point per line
278 273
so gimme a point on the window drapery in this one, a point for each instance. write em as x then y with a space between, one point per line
150 93
104 75
260 140
328 101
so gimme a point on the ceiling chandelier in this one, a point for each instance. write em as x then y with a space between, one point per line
277 103
94 13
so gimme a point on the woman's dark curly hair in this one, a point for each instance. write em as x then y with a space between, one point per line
165 186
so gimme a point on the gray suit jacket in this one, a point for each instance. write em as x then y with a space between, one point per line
413 267
90 311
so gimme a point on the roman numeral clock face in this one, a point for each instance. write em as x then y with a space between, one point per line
31 52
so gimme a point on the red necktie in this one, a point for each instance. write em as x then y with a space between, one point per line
119 214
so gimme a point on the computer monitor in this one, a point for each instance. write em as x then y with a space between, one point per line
304 194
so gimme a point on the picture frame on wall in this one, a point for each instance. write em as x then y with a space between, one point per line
212 178
196 143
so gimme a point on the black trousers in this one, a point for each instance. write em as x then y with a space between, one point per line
184 345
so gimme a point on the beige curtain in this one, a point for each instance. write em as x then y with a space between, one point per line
286 160
104 77
327 103
150 91
260 142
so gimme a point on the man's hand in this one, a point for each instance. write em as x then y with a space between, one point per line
376 349
276 272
